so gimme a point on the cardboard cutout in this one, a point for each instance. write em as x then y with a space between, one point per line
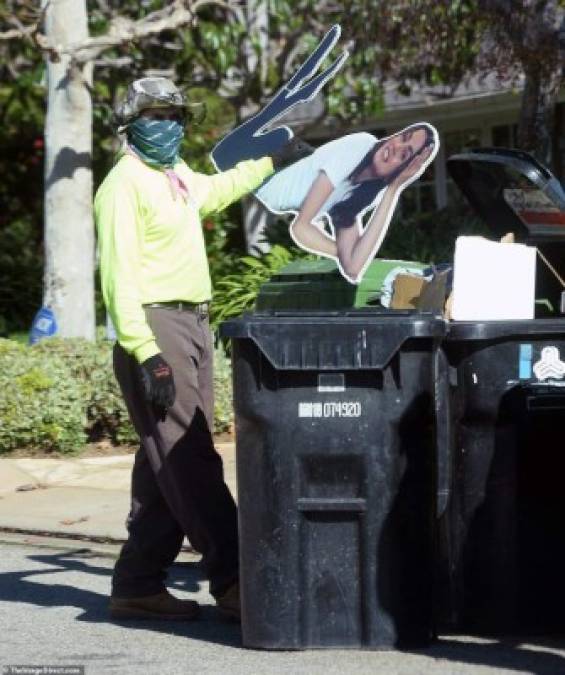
252 139
343 196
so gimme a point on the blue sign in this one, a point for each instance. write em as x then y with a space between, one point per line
44 325
525 362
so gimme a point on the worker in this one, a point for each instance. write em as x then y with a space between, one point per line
156 286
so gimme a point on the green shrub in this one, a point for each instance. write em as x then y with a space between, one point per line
41 404
21 273
90 364
59 394
223 411
224 243
430 237
236 292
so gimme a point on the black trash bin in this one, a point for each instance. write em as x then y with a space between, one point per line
502 537
336 477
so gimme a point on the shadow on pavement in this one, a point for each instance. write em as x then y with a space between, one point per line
528 654
184 576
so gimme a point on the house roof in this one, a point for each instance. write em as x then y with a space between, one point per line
476 95
473 87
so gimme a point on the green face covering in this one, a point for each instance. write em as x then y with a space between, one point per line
157 142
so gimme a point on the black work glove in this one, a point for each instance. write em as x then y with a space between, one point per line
291 152
158 382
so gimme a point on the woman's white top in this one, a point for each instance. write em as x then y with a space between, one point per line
286 190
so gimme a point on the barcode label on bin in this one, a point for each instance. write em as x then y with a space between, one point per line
331 383
329 409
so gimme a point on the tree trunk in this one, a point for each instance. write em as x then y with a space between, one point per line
69 230
254 214
536 31
537 112
257 15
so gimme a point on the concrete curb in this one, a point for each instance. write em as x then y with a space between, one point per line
94 546
76 497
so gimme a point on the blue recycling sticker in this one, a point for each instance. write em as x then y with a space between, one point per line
44 325
525 362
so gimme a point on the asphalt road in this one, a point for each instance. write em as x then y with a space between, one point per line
53 612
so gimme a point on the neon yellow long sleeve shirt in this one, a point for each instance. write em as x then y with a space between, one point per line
150 241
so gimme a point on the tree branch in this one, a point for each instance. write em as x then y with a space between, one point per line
104 6
534 26
120 62
19 30
15 33
123 30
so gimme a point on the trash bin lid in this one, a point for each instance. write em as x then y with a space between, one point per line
506 330
512 192
319 285
352 340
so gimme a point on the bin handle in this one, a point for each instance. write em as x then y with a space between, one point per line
443 431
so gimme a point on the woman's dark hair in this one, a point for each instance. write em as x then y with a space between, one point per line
364 194
344 213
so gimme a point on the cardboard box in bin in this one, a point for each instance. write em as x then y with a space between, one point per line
411 291
493 280
406 290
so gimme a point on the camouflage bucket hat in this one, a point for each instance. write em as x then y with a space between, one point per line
155 92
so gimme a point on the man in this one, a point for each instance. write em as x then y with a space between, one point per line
156 286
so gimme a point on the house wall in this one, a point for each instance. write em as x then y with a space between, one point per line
559 142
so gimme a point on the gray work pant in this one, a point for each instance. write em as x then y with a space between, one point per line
178 486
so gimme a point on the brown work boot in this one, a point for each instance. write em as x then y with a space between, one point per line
163 606
229 603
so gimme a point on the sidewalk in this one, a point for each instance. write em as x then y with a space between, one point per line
86 497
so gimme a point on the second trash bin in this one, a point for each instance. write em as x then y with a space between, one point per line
335 470
502 538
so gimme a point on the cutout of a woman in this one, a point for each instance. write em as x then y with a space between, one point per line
341 181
